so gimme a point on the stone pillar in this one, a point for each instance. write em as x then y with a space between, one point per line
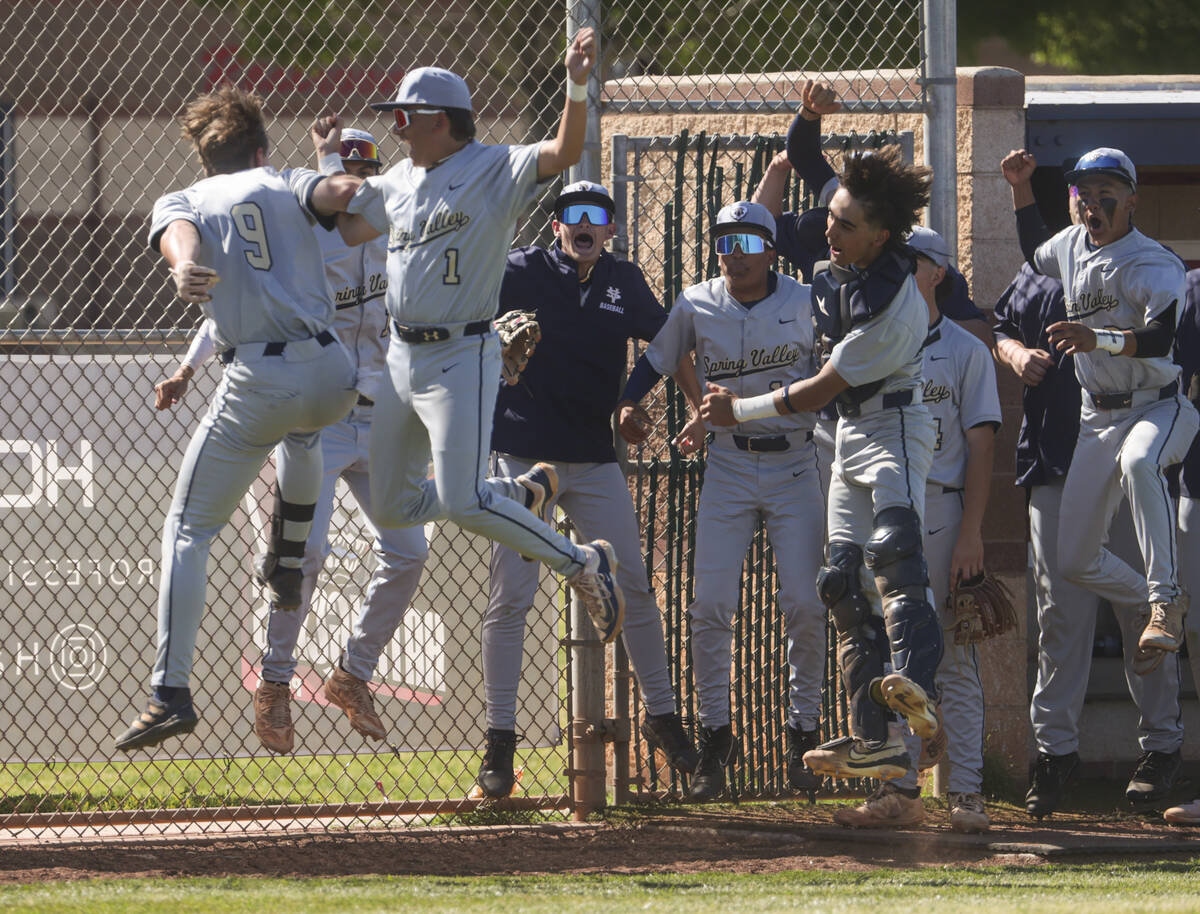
991 121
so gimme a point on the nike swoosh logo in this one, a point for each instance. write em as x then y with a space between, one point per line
448 367
797 473
792 321
934 532
455 186
938 358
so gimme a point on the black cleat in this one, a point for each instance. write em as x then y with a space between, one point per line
799 777
496 778
1051 776
1153 777
665 733
716 752
160 720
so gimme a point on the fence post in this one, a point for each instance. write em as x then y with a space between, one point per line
581 14
941 117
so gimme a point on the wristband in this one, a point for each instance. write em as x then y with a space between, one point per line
330 164
760 407
576 92
1110 341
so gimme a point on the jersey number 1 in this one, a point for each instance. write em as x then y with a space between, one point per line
451 277
248 220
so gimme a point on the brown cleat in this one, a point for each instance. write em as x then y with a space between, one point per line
887 807
934 748
273 717
353 695
1164 631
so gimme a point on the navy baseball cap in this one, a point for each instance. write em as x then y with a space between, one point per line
1104 161
743 215
430 87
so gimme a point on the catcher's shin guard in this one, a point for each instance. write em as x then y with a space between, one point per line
861 638
894 555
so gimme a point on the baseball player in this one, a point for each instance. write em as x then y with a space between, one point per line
801 236
960 391
750 328
589 305
359 279
1066 613
872 316
450 211
1122 293
250 227
1187 354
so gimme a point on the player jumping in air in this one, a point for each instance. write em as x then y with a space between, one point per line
873 321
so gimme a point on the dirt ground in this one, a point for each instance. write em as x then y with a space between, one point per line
751 838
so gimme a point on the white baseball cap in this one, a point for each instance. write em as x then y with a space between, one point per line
356 144
737 217
1104 161
584 192
432 87
931 244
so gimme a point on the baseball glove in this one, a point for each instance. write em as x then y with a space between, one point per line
519 335
983 609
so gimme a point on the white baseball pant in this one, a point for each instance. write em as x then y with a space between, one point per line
400 555
259 400
596 498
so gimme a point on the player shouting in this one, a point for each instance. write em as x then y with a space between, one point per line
1122 294
874 320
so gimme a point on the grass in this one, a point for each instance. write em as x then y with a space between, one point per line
118 785
1151 887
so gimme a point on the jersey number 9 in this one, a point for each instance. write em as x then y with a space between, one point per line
248 220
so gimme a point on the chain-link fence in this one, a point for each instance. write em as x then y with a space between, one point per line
89 93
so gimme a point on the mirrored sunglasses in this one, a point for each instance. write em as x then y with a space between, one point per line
359 149
596 214
750 244
402 116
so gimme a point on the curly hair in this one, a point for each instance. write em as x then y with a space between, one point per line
226 127
891 192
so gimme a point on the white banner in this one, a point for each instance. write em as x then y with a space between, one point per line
87 468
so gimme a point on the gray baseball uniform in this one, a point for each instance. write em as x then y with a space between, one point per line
1122 451
285 372
449 229
752 351
960 392
882 456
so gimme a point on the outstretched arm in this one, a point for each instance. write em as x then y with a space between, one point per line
722 407
559 154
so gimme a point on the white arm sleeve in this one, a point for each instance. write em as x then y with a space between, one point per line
203 346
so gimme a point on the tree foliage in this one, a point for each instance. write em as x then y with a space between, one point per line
1094 37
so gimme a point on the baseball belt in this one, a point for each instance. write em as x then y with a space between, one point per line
1128 398
764 444
874 404
430 334
324 338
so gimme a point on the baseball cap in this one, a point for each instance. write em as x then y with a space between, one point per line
743 215
429 86
931 244
1103 161
584 192
359 146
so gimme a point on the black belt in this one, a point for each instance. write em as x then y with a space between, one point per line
437 334
950 490
365 401
761 444
887 401
324 338
1124 400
